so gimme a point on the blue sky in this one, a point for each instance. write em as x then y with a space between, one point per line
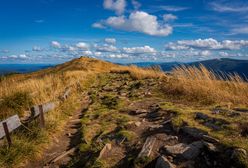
55 31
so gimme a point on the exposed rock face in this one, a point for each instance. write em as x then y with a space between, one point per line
163 162
187 151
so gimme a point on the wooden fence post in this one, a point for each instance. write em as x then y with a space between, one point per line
6 130
42 118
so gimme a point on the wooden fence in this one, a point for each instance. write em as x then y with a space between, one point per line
14 122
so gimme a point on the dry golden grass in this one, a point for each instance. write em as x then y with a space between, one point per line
47 85
204 86
139 73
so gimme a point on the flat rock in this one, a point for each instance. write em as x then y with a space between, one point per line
147 147
163 162
187 151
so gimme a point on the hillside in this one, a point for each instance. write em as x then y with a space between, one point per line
125 116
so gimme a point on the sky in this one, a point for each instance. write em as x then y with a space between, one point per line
123 31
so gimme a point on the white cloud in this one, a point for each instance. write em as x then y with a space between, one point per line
169 17
97 54
223 54
98 25
23 56
37 48
139 21
232 7
106 48
110 40
240 30
116 5
205 53
82 46
87 53
210 44
139 50
55 44
136 4
118 56
171 8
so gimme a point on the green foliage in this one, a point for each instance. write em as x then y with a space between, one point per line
129 135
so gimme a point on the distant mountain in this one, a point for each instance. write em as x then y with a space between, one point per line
21 68
224 65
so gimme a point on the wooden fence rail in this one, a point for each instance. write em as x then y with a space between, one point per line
10 124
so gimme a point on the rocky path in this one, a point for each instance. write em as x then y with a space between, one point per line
64 146
128 126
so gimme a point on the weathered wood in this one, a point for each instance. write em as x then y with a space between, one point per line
7 134
46 107
42 118
64 154
12 123
147 147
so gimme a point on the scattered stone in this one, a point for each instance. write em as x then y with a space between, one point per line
212 125
210 139
163 162
147 147
194 132
137 123
104 150
155 127
187 151
211 147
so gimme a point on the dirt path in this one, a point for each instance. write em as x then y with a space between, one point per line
64 146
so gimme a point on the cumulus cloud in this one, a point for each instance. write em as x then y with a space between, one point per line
139 21
118 55
106 48
205 53
110 40
139 50
37 48
87 53
82 46
210 44
169 17
55 44
97 54
116 5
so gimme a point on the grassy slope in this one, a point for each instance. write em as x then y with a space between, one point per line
186 91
